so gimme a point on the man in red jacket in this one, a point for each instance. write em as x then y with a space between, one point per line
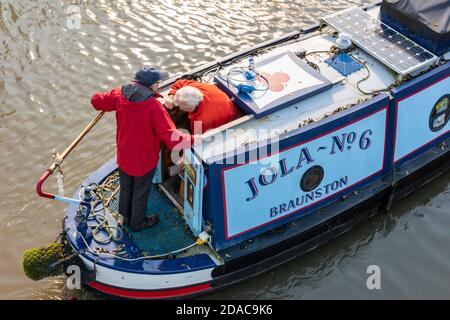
142 122
205 103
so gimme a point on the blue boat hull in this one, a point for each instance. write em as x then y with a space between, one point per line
399 142
263 254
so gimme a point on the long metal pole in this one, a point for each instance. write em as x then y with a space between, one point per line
60 158
76 141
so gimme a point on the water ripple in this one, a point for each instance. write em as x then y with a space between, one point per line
48 72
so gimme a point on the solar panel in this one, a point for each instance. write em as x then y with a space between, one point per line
381 41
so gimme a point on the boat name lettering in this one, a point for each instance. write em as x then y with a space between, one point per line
309 197
339 143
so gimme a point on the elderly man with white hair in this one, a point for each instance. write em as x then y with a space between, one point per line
205 104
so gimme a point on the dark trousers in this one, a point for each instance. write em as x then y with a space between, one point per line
134 193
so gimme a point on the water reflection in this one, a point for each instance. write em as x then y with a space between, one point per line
48 71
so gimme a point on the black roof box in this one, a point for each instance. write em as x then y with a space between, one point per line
427 22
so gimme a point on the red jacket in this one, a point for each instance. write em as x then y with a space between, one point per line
215 110
140 128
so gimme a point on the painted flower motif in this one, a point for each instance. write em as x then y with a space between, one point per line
276 80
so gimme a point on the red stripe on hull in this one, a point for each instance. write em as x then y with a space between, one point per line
160 294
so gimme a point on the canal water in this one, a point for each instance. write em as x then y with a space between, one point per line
50 64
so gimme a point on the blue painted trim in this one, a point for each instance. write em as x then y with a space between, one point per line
286 140
409 88
421 81
311 130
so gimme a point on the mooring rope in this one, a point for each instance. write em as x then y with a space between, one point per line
111 186
110 255
103 222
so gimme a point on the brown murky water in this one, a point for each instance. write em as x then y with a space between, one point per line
49 69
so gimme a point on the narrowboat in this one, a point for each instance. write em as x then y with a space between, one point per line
339 121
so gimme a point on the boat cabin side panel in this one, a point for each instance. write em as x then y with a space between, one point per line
422 113
258 189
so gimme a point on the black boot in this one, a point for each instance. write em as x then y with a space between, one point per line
148 222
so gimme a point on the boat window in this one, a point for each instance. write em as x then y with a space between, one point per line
190 193
311 178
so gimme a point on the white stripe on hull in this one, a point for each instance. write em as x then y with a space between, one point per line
139 281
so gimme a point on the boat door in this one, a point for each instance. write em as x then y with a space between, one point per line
193 191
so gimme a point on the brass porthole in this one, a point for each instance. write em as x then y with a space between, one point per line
311 178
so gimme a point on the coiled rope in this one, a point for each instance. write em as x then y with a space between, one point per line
111 186
101 216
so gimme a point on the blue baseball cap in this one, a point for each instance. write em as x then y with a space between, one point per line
147 76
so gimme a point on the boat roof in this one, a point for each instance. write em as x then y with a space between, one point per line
344 93
249 131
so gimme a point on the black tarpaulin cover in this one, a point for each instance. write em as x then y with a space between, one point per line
427 22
